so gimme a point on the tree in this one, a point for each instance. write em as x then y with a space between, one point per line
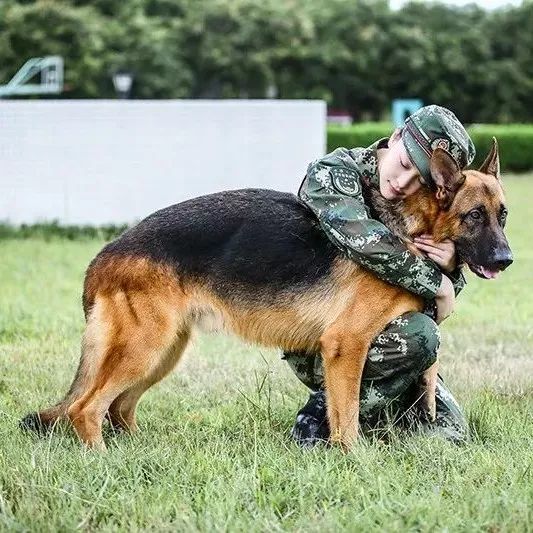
145 46
54 28
509 75
355 54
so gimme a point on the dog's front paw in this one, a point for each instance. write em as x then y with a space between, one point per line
427 388
345 439
428 407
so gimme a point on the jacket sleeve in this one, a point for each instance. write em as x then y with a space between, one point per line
332 190
458 280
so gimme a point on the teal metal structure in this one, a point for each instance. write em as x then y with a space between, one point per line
402 108
50 69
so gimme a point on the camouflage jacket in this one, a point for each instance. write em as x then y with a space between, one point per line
336 188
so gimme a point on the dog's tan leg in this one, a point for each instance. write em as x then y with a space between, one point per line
344 359
123 369
86 415
132 346
122 410
427 389
345 346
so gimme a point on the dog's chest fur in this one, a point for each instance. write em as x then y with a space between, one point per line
387 212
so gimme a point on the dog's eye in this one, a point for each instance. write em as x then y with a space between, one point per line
503 217
475 214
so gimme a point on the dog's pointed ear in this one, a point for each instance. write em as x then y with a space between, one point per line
491 165
447 176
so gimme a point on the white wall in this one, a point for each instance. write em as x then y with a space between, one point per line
104 161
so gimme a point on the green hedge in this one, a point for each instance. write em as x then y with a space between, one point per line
53 230
515 141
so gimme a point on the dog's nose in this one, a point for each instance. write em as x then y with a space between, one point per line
503 259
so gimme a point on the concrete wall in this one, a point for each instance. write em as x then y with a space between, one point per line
103 161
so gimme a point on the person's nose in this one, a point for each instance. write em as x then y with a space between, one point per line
405 180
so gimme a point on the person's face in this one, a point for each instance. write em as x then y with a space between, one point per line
398 177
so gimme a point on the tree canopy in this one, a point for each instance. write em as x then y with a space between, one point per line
356 54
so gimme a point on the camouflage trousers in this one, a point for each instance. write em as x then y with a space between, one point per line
396 359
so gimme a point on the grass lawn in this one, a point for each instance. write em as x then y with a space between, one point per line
214 451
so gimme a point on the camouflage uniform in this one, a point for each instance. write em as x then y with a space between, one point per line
338 189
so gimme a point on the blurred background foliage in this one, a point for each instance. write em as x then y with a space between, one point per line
514 140
355 54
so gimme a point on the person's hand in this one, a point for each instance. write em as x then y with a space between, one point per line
445 299
443 253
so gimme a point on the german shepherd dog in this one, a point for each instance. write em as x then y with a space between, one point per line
257 264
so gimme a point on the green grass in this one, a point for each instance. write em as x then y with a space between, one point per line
214 451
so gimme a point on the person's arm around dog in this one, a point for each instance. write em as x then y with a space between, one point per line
332 190
443 254
444 299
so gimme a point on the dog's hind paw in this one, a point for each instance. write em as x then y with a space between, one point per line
33 422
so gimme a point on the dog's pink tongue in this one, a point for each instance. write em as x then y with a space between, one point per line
491 274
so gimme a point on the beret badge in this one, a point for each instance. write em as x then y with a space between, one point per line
440 143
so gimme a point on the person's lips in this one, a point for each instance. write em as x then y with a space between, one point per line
396 191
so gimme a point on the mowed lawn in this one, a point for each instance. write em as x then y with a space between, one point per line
214 452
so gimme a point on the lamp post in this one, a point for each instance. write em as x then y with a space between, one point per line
271 91
122 81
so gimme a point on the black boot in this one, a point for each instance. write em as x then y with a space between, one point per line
311 425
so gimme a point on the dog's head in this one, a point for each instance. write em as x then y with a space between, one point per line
472 212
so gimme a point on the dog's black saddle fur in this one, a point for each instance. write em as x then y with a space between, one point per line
254 237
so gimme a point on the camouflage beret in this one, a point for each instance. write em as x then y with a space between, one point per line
431 127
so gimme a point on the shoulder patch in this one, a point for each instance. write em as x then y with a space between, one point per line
345 180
